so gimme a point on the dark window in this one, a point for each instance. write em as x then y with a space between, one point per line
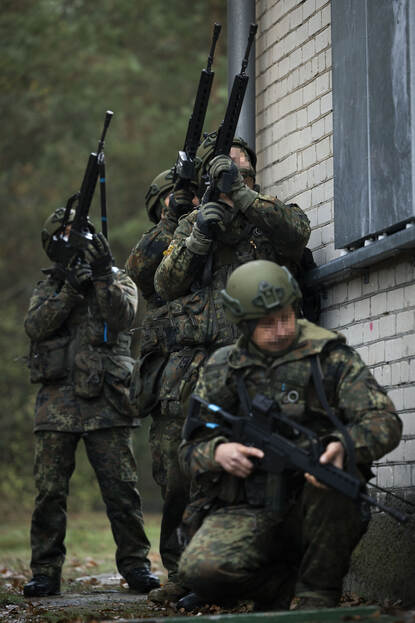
373 45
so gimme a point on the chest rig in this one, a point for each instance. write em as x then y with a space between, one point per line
275 491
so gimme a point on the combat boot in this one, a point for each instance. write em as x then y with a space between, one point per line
171 591
42 585
142 580
190 602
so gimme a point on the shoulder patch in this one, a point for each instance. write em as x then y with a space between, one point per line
169 249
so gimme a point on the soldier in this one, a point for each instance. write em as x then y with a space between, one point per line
78 323
164 208
241 548
207 244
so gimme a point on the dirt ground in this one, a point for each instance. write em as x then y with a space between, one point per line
106 598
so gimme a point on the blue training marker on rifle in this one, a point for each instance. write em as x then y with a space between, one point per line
211 425
283 387
102 180
105 332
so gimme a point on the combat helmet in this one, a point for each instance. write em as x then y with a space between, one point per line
158 190
205 151
53 227
258 288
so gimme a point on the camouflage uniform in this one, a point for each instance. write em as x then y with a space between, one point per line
80 353
191 324
165 432
243 549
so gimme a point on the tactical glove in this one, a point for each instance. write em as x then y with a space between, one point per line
212 218
79 277
226 176
98 255
180 202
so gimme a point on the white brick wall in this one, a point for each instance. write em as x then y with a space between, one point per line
375 310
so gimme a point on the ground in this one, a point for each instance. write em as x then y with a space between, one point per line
92 591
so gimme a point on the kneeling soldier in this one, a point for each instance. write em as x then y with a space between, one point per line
255 536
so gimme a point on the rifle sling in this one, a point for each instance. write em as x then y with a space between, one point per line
321 394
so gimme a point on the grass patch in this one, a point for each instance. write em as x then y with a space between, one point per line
89 543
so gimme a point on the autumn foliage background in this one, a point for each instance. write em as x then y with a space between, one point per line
63 63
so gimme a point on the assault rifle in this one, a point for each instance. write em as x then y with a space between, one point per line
227 128
185 171
269 430
63 251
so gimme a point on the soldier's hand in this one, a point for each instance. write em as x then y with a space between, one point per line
98 255
79 277
180 202
212 218
334 454
223 172
233 458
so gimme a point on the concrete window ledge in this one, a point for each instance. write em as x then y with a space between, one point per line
361 259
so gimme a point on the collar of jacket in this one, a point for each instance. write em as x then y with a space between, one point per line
311 341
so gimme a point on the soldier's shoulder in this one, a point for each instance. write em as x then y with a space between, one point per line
220 357
340 352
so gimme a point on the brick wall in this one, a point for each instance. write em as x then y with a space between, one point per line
294 121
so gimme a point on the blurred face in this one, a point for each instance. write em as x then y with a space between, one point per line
243 163
276 331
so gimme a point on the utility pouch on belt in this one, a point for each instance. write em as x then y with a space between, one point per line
117 379
145 382
48 360
88 374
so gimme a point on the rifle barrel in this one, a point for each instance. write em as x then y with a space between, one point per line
252 31
108 116
216 31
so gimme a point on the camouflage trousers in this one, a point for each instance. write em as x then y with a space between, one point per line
165 437
110 454
243 552
178 381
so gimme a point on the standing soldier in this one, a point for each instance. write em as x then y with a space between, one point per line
255 536
207 244
164 208
78 323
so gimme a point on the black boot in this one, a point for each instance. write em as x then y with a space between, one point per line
42 585
142 580
190 602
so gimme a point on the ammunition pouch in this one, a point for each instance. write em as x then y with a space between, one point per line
145 382
195 319
88 374
117 378
48 360
179 379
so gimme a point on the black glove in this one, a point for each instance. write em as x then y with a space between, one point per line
180 202
212 218
79 277
98 255
223 173
228 178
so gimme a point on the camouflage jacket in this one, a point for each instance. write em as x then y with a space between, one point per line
80 353
352 392
145 257
194 312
